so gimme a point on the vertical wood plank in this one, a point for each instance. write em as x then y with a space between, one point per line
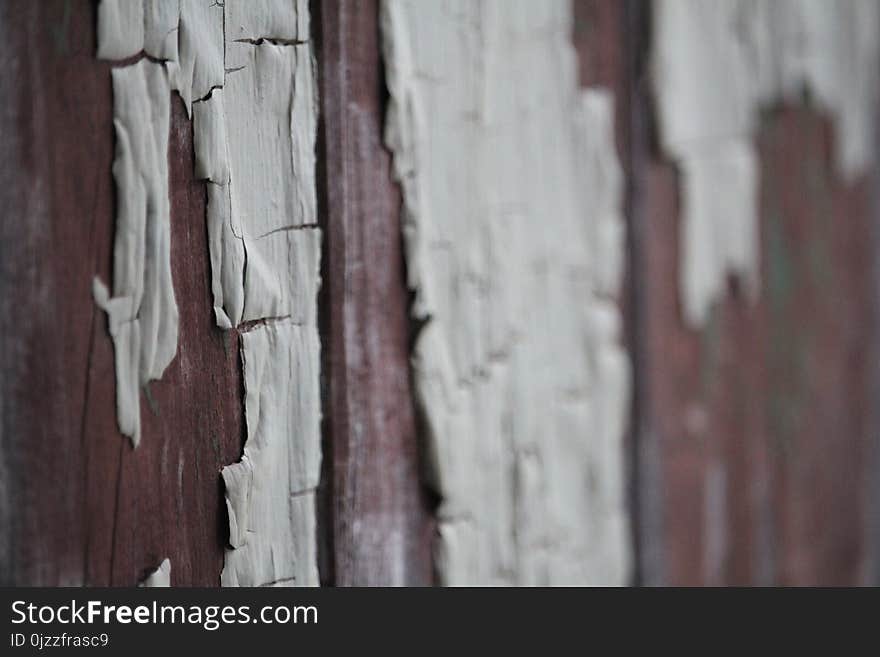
79 505
379 526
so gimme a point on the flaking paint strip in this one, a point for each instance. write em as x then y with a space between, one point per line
142 311
514 249
201 46
270 490
287 20
254 141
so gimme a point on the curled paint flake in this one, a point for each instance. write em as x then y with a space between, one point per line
159 578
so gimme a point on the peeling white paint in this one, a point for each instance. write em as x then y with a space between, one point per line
226 246
715 65
275 20
255 143
267 114
142 312
209 140
159 578
201 45
514 243
252 94
270 492
127 27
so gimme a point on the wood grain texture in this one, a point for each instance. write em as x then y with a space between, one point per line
378 525
81 505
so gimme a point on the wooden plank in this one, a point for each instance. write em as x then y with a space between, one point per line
379 526
81 506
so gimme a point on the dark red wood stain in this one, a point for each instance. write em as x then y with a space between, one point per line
379 525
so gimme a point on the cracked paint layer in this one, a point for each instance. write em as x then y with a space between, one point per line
514 243
127 27
270 492
201 46
715 65
252 95
272 20
255 145
185 34
263 176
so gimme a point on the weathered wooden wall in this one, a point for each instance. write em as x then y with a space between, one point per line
81 505
752 446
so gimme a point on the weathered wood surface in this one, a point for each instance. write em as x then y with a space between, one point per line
753 443
378 514
79 505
